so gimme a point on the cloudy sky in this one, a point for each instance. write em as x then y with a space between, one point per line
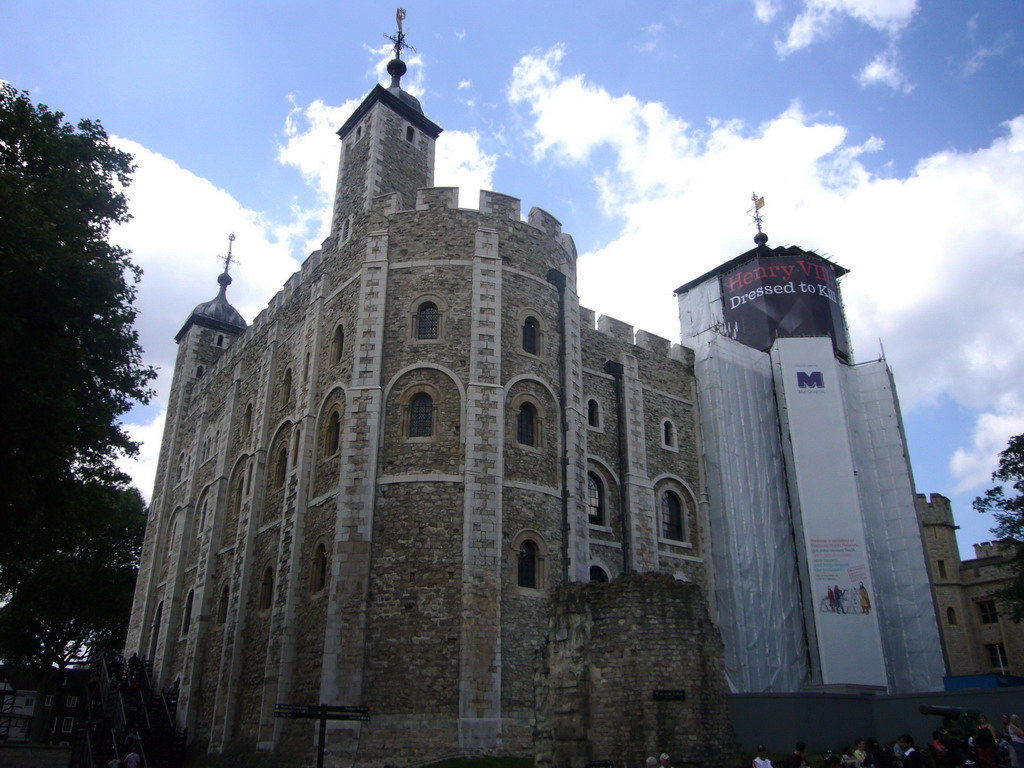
886 134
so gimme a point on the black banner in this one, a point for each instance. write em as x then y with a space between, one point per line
774 297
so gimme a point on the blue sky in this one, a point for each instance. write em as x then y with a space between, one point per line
886 134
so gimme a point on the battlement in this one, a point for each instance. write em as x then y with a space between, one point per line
624 332
986 549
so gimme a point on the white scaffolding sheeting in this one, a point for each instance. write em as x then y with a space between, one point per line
910 635
757 589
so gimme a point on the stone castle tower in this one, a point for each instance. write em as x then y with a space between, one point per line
372 494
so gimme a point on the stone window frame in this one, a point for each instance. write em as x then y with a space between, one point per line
540 331
602 571
186 614
405 409
595 413
287 387
539 419
987 611
319 567
687 507
331 445
410 134
224 603
414 310
941 565
280 466
338 344
669 435
200 371
595 481
951 616
996 653
220 341
247 419
541 564
346 229
266 594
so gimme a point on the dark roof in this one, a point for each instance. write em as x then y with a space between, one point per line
217 313
759 251
405 104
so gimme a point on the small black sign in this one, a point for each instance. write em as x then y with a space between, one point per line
673 694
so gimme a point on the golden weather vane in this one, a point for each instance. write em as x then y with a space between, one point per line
399 39
756 210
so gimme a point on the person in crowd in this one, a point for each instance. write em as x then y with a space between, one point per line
986 742
133 760
1016 739
847 758
798 757
864 757
664 761
909 755
761 760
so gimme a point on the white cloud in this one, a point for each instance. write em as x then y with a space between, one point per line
766 10
936 257
819 17
179 230
884 70
973 467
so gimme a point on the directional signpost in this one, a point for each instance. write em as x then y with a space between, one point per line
323 713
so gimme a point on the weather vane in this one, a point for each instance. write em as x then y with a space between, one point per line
399 39
756 210
229 259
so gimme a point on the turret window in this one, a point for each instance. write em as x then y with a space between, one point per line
421 416
593 414
595 499
672 522
267 588
531 336
526 425
410 133
338 345
428 321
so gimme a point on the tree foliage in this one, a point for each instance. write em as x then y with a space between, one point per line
75 596
1005 502
71 361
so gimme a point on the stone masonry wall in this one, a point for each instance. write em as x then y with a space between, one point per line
609 648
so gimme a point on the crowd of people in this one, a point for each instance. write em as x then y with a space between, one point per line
985 747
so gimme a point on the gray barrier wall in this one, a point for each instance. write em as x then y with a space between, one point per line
827 721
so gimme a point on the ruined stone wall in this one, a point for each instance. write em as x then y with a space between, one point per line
609 648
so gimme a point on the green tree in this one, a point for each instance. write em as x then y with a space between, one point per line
75 596
70 361
1005 502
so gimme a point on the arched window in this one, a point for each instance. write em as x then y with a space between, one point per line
410 133
598 575
155 635
951 617
281 467
267 588
338 345
428 321
528 565
319 575
222 606
346 226
595 499
202 516
247 420
593 414
332 439
671 516
668 434
421 415
220 339
526 425
187 619
286 386
200 370
531 336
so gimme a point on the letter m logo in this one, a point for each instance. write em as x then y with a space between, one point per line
812 380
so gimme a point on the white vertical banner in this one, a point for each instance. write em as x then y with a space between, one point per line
827 514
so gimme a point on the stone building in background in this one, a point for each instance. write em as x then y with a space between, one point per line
978 637
377 492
